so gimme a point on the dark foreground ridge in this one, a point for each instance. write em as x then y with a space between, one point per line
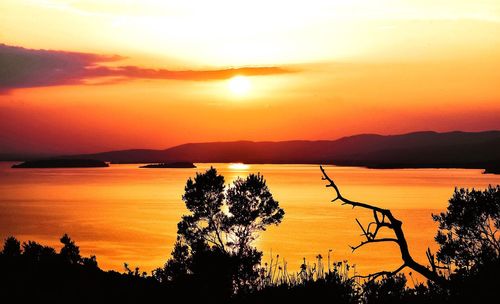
170 165
62 163
475 150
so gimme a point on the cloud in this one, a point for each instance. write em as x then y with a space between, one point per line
26 68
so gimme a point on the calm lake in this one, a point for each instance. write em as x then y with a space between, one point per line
126 214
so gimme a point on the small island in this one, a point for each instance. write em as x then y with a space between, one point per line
170 165
492 170
62 163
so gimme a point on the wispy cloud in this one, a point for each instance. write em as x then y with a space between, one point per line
26 68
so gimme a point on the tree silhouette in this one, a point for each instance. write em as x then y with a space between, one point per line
37 252
70 253
468 230
204 197
176 268
251 209
220 229
11 247
34 273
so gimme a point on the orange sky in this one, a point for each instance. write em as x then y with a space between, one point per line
86 76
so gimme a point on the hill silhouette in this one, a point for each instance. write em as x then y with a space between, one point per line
413 150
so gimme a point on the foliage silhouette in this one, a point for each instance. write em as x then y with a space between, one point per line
12 247
468 229
37 252
70 252
311 283
214 244
470 244
37 273
394 289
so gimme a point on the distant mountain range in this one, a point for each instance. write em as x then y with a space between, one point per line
414 150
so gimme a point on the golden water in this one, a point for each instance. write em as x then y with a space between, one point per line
126 214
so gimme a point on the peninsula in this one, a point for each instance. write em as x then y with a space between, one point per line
62 163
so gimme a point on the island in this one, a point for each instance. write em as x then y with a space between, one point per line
492 170
170 165
62 163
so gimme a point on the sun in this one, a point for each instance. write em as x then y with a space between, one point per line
239 85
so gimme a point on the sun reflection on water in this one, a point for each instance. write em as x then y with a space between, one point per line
238 166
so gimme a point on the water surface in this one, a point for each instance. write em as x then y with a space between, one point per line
126 214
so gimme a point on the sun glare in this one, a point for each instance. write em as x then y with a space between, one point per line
239 85
238 166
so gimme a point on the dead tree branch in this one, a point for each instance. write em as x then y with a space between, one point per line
376 275
383 218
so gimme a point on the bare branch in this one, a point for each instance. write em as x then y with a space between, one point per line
343 199
396 226
363 229
373 241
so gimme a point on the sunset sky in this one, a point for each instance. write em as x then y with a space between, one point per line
96 75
